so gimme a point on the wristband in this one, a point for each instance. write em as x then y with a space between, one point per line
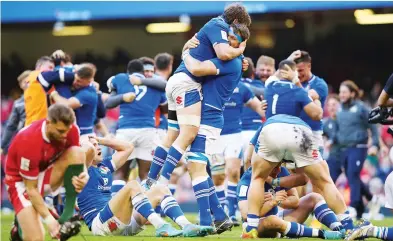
278 203
49 219
185 54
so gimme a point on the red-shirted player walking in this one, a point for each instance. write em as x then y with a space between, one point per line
37 160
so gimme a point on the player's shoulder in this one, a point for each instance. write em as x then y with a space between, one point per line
320 81
217 21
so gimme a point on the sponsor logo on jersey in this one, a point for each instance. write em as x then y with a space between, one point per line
179 100
25 164
105 181
315 154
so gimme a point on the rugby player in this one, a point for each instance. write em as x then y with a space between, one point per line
280 192
39 157
136 121
126 211
84 102
41 81
250 119
227 160
285 103
217 90
184 90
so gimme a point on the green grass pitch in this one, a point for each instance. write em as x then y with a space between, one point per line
148 234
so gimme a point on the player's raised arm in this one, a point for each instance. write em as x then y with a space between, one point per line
122 148
115 99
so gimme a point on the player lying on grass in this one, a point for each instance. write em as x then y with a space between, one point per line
125 212
281 193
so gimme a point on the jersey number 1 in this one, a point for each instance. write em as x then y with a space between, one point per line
274 105
140 91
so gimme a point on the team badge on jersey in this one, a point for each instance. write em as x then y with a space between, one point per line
105 181
104 170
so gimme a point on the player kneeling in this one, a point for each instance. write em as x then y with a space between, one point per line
280 192
125 212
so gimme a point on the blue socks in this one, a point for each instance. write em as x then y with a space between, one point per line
143 206
295 230
383 233
174 156
252 222
232 199
172 209
159 157
201 191
220 191
326 216
217 209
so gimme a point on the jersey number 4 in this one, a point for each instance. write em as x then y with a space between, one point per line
140 91
274 104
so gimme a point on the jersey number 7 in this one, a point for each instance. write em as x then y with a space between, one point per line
140 91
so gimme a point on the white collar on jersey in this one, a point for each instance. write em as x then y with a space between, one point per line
311 79
43 132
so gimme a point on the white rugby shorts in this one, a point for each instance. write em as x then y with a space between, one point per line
279 141
182 91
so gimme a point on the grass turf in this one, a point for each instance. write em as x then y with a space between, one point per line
148 234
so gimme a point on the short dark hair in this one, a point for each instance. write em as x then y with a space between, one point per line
61 113
146 60
304 57
251 69
86 71
236 11
163 61
242 30
42 60
135 66
290 63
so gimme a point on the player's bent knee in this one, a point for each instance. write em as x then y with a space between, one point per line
271 222
134 187
315 198
74 155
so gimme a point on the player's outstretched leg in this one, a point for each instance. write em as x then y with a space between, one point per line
273 224
260 171
323 184
367 230
131 195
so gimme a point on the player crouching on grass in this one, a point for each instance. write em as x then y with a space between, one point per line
125 212
43 157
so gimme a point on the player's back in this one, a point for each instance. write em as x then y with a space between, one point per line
250 119
36 104
97 192
320 86
86 114
283 97
234 107
141 112
32 145
218 89
212 33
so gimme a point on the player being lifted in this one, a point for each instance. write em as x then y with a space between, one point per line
125 212
184 90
